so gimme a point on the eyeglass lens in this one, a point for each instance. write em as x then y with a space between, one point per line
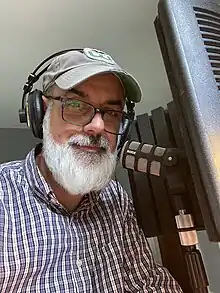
80 113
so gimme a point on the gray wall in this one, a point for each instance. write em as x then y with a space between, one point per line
126 31
15 143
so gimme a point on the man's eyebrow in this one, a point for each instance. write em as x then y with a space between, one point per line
77 92
115 103
112 102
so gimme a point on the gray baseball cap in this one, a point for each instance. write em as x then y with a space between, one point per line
74 67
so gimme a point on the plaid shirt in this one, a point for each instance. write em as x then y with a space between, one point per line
97 248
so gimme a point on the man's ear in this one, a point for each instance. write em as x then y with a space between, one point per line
45 102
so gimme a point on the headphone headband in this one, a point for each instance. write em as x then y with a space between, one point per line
34 76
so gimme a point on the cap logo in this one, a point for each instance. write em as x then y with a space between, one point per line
98 55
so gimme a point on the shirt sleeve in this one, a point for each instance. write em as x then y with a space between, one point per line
142 273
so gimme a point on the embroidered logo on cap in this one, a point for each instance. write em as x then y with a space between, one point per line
98 55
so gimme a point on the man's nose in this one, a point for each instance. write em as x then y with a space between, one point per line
96 126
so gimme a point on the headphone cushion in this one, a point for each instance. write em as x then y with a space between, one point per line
36 112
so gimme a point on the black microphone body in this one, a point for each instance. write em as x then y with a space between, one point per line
147 158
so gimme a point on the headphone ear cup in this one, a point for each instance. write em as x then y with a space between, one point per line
36 112
125 136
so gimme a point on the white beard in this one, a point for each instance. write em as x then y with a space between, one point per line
77 171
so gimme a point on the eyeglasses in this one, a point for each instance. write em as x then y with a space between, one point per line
80 113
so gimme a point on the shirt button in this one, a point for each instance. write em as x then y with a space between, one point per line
79 262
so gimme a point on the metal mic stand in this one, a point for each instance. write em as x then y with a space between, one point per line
165 199
185 224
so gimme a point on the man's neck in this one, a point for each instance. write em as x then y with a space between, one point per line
69 201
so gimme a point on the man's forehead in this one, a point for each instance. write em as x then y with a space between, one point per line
110 81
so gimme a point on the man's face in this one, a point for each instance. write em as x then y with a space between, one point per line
82 158
102 91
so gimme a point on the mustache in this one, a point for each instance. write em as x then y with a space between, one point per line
84 140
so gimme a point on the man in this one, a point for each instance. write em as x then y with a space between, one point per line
65 226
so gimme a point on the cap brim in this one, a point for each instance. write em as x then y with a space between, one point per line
75 76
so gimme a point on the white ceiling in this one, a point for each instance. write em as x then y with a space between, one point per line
31 30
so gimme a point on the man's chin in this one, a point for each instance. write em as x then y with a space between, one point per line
79 186
87 156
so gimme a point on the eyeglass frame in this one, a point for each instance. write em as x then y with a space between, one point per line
129 115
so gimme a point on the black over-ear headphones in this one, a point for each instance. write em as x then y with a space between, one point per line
32 109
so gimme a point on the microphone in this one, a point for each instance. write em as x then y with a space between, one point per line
147 158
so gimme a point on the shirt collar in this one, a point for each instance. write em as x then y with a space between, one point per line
35 178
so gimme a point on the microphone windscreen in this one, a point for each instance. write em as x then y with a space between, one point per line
142 157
